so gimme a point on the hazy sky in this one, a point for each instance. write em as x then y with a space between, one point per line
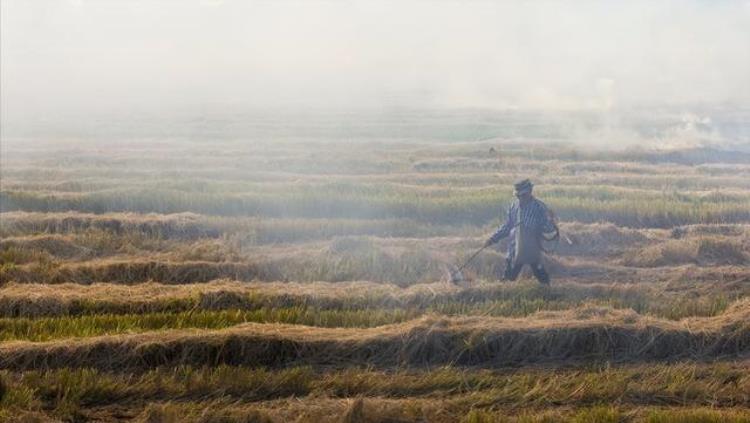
131 55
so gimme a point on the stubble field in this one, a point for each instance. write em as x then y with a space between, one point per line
279 281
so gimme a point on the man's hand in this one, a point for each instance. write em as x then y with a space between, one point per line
552 218
488 242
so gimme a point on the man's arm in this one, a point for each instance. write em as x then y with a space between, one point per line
504 230
547 219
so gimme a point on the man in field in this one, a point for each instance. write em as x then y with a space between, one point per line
528 219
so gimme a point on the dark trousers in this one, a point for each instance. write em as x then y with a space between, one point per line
513 270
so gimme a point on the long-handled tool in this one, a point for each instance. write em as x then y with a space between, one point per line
456 275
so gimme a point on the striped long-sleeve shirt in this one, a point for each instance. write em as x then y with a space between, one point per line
532 215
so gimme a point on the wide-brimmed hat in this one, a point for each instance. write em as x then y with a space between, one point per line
523 186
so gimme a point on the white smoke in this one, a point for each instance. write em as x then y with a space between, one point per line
693 131
105 59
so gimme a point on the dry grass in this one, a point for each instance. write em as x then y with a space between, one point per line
586 334
132 271
495 299
179 225
474 393
652 269
705 251
590 251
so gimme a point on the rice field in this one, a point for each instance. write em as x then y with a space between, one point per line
309 280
